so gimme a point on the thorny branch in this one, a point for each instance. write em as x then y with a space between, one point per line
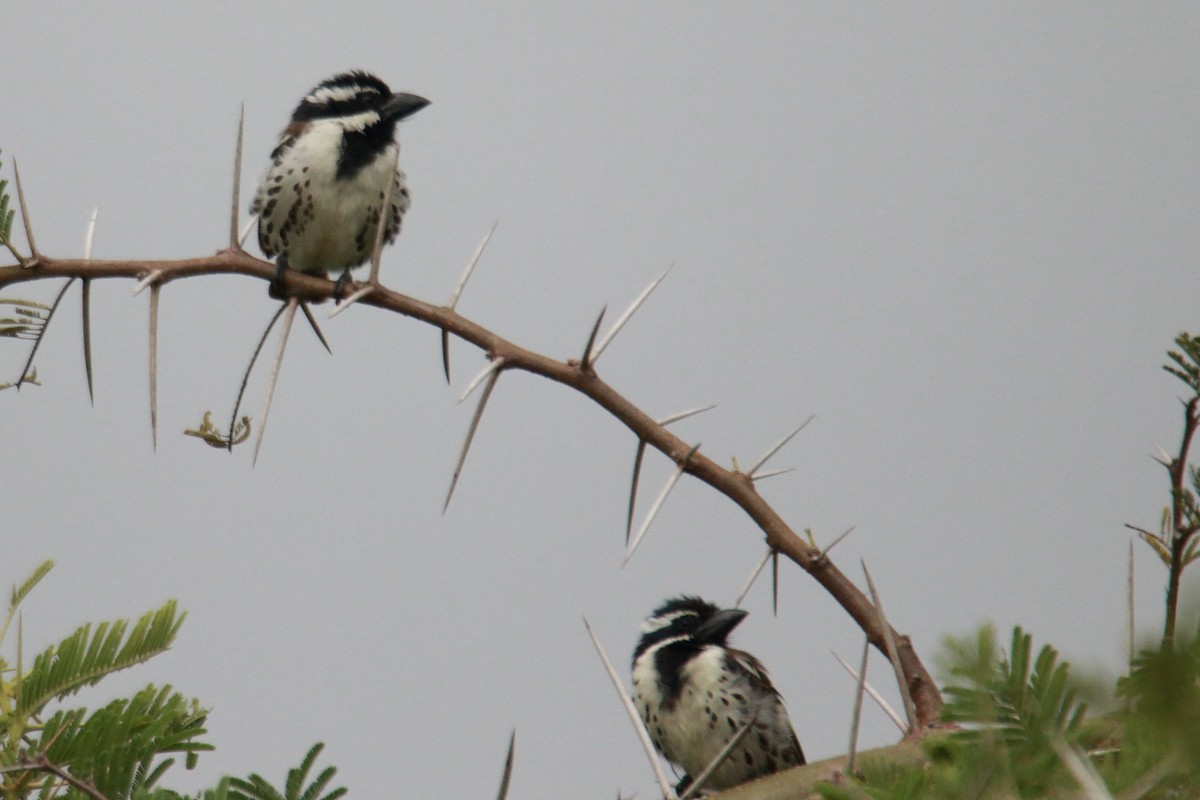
734 484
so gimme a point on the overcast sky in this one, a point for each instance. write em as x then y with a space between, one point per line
961 236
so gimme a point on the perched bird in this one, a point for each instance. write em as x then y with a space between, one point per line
320 201
695 693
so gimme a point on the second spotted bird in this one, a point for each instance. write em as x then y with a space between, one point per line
695 693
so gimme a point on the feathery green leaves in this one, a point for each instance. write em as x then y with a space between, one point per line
6 220
119 747
258 788
84 657
1186 360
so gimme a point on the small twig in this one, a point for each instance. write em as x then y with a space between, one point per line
698 781
262 340
235 241
638 725
34 255
462 457
458 289
153 350
876 696
858 698
762 562
658 501
493 365
289 315
629 312
585 363
508 768
777 447
42 333
910 710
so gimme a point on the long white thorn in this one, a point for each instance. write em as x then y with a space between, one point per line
458 289
234 241
1163 456
658 502
33 251
90 236
1083 772
493 365
385 213
629 312
245 232
858 698
289 316
876 696
462 457
353 298
698 782
910 710
691 412
638 725
462 282
149 280
640 455
762 476
154 291
762 562
834 543
777 447
1129 608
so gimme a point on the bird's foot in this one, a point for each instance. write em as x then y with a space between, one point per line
340 286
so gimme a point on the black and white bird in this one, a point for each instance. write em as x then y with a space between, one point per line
320 201
695 693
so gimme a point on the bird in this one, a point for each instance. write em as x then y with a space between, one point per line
695 693
320 200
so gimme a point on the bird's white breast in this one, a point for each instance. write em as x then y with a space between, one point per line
329 222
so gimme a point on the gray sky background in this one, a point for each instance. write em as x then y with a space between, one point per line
962 236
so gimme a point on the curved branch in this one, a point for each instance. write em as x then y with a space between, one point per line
737 486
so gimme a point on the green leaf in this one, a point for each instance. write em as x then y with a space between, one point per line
84 658
258 788
19 593
120 747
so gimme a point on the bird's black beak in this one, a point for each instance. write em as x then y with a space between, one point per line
720 625
401 105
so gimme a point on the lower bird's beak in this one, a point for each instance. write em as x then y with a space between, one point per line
715 629
402 105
